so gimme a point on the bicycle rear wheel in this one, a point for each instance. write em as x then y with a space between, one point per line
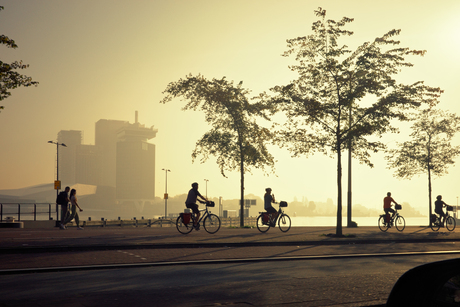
450 223
284 222
400 223
184 228
382 225
211 223
263 227
436 224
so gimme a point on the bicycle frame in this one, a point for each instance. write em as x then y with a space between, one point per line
202 216
398 220
284 221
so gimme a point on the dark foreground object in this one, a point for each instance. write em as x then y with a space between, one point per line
433 284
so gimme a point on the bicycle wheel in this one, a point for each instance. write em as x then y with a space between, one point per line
284 222
211 223
263 227
382 225
450 223
436 224
400 223
184 228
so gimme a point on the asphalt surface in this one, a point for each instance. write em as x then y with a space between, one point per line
34 250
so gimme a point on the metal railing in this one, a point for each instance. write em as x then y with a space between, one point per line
18 211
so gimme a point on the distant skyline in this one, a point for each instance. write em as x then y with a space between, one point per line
106 59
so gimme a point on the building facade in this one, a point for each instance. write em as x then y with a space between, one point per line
121 160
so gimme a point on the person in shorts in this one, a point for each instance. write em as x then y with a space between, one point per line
190 203
269 198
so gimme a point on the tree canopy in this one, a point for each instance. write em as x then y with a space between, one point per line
429 149
325 107
236 140
9 77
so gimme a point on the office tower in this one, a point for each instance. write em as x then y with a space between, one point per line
135 166
67 155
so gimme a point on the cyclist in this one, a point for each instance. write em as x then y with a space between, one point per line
190 203
438 205
268 200
387 205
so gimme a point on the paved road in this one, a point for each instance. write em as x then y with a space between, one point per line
23 248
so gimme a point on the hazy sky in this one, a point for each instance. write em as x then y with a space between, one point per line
105 59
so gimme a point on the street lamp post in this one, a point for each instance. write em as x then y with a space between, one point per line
57 184
166 191
206 187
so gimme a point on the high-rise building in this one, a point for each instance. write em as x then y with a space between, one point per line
135 165
67 156
106 140
121 160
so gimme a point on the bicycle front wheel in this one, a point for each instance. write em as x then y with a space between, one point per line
211 223
400 223
450 223
184 228
436 224
263 227
382 225
284 222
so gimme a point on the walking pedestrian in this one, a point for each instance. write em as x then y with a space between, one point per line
73 209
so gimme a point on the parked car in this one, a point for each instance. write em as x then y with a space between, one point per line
433 284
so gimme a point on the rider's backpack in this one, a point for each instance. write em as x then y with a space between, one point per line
61 199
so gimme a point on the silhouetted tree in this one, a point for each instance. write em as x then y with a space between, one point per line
236 139
429 150
324 108
9 77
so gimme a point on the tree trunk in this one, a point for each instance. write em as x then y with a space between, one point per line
339 192
242 193
349 208
429 195
349 175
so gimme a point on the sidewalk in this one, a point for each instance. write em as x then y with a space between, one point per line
169 237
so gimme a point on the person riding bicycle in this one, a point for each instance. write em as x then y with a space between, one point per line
268 200
387 205
438 205
190 203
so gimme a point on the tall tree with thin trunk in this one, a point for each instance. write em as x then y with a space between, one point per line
332 80
237 141
429 150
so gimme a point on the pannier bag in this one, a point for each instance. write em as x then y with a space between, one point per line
449 208
283 204
433 218
265 218
398 207
186 218
210 204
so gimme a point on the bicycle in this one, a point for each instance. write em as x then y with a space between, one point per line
211 222
398 220
436 220
265 221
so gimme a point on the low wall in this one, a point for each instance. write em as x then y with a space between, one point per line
226 222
